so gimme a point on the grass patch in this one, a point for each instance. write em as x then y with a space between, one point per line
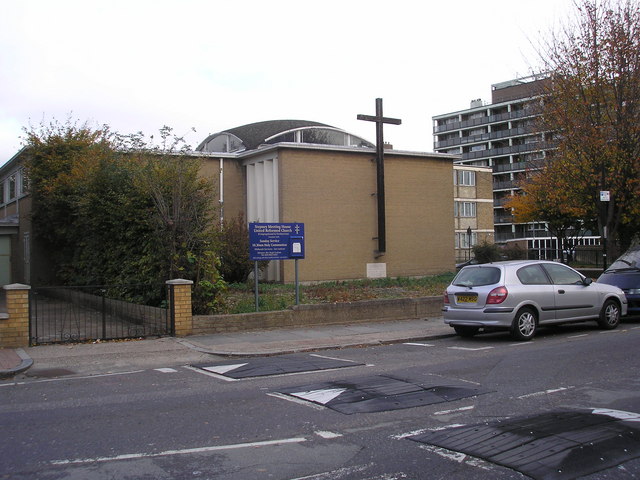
240 298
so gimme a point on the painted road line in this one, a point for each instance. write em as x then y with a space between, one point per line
186 451
469 349
343 473
418 344
327 435
333 358
545 392
455 410
64 379
400 436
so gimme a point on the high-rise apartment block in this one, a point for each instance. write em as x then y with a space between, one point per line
502 135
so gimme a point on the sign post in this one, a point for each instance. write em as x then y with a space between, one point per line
276 241
605 198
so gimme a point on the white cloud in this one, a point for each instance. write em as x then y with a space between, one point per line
138 65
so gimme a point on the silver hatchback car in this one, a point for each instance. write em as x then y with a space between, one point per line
521 295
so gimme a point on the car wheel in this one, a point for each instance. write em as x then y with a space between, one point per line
609 315
524 324
465 331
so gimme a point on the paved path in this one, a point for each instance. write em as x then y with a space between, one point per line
103 357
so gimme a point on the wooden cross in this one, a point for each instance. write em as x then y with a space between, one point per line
380 120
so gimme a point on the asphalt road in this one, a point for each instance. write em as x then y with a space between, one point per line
194 423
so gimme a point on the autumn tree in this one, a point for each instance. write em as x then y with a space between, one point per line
541 199
592 103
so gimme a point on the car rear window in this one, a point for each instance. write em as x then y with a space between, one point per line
477 276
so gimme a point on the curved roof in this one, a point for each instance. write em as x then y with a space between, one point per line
251 136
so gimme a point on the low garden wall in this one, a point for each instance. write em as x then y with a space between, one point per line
321 314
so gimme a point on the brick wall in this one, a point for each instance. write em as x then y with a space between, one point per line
322 314
14 327
333 193
182 313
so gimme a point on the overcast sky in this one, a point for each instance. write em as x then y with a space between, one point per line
211 65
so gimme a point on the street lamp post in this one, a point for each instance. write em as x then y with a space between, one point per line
469 235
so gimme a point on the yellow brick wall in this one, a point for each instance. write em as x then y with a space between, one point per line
14 330
333 193
234 189
183 315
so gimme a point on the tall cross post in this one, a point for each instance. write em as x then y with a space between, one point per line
380 120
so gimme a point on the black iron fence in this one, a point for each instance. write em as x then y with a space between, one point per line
583 256
74 314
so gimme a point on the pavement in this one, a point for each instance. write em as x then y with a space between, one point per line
106 357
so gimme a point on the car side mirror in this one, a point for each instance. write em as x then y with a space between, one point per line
587 281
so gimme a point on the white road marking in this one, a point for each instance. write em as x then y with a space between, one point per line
222 369
459 457
210 374
166 370
296 400
455 410
470 349
64 379
289 374
578 336
545 392
320 396
418 344
185 451
328 435
413 433
619 414
332 358
336 474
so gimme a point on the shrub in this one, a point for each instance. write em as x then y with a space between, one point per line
486 252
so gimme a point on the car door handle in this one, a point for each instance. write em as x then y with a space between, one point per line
560 292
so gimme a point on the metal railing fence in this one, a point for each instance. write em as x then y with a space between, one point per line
76 314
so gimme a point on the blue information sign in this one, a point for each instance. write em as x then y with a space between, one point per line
276 241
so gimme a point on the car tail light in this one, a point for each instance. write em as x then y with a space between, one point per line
446 298
497 295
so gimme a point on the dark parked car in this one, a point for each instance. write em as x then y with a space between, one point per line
521 295
473 261
624 273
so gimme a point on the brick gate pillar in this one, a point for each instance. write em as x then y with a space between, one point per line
14 326
181 312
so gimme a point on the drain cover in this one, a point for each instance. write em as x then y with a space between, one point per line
380 393
560 445
268 366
